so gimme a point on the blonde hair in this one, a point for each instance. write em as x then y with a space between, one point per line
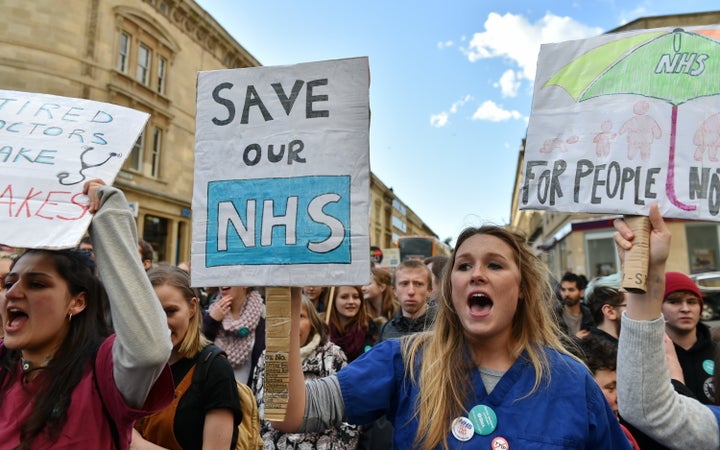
444 370
317 325
194 340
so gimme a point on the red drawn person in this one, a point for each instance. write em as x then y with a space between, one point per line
603 139
641 131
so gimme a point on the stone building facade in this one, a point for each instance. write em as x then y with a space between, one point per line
143 54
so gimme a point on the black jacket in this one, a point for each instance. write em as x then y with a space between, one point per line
695 364
400 326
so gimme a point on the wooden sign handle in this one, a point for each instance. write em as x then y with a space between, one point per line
277 350
635 268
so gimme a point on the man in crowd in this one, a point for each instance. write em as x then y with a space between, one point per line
411 288
682 304
574 318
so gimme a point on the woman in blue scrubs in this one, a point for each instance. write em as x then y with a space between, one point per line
492 374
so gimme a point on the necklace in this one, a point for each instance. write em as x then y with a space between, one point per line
28 365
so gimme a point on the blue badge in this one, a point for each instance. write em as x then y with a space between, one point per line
709 366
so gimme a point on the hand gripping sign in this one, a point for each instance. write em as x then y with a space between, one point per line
282 182
624 120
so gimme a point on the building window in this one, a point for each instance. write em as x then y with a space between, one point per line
123 52
600 254
399 224
702 244
161 70
155 231
143 64
155 155
134 161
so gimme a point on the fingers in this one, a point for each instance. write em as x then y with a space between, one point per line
90 188
656 220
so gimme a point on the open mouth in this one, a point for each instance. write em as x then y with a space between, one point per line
15 318
480 304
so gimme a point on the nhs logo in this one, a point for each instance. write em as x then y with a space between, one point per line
279 221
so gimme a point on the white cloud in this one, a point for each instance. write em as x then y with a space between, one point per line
492 112
442 119
508 83
439 120
445 44
455 106
514 38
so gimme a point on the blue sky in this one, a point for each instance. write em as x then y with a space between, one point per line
451 82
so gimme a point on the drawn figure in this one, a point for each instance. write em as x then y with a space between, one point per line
604 138
558 144
707 137
84 165
641 131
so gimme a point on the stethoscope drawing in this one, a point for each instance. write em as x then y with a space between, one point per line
84 166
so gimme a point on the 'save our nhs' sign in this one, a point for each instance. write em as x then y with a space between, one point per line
282 175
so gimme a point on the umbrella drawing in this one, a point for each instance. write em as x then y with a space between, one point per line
671 66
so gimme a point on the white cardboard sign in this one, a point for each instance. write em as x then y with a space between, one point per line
49 146
625 120
282 175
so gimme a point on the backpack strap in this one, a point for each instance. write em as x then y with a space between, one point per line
203 362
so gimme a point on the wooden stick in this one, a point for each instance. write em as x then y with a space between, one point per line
330 304
277 351
635 269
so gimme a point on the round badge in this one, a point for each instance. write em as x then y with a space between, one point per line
483 419
243 332
500 443
462 429
709 366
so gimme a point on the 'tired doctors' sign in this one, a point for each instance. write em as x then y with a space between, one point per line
282 175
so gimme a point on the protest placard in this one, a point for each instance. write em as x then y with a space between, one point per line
625 120
49 146
282 175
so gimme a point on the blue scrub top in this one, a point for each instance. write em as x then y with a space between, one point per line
570 412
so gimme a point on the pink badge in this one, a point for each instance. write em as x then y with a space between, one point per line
500 443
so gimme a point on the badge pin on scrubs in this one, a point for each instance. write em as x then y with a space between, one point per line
709 366
483 419
499 443
463 429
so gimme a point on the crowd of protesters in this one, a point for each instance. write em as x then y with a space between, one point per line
103 348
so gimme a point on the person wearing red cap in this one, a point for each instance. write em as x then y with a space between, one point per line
681 307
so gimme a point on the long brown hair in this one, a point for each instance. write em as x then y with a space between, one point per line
444 370
388 305
86 331
360 319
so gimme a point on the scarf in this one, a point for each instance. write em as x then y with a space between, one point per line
352 342
309 348
238 335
